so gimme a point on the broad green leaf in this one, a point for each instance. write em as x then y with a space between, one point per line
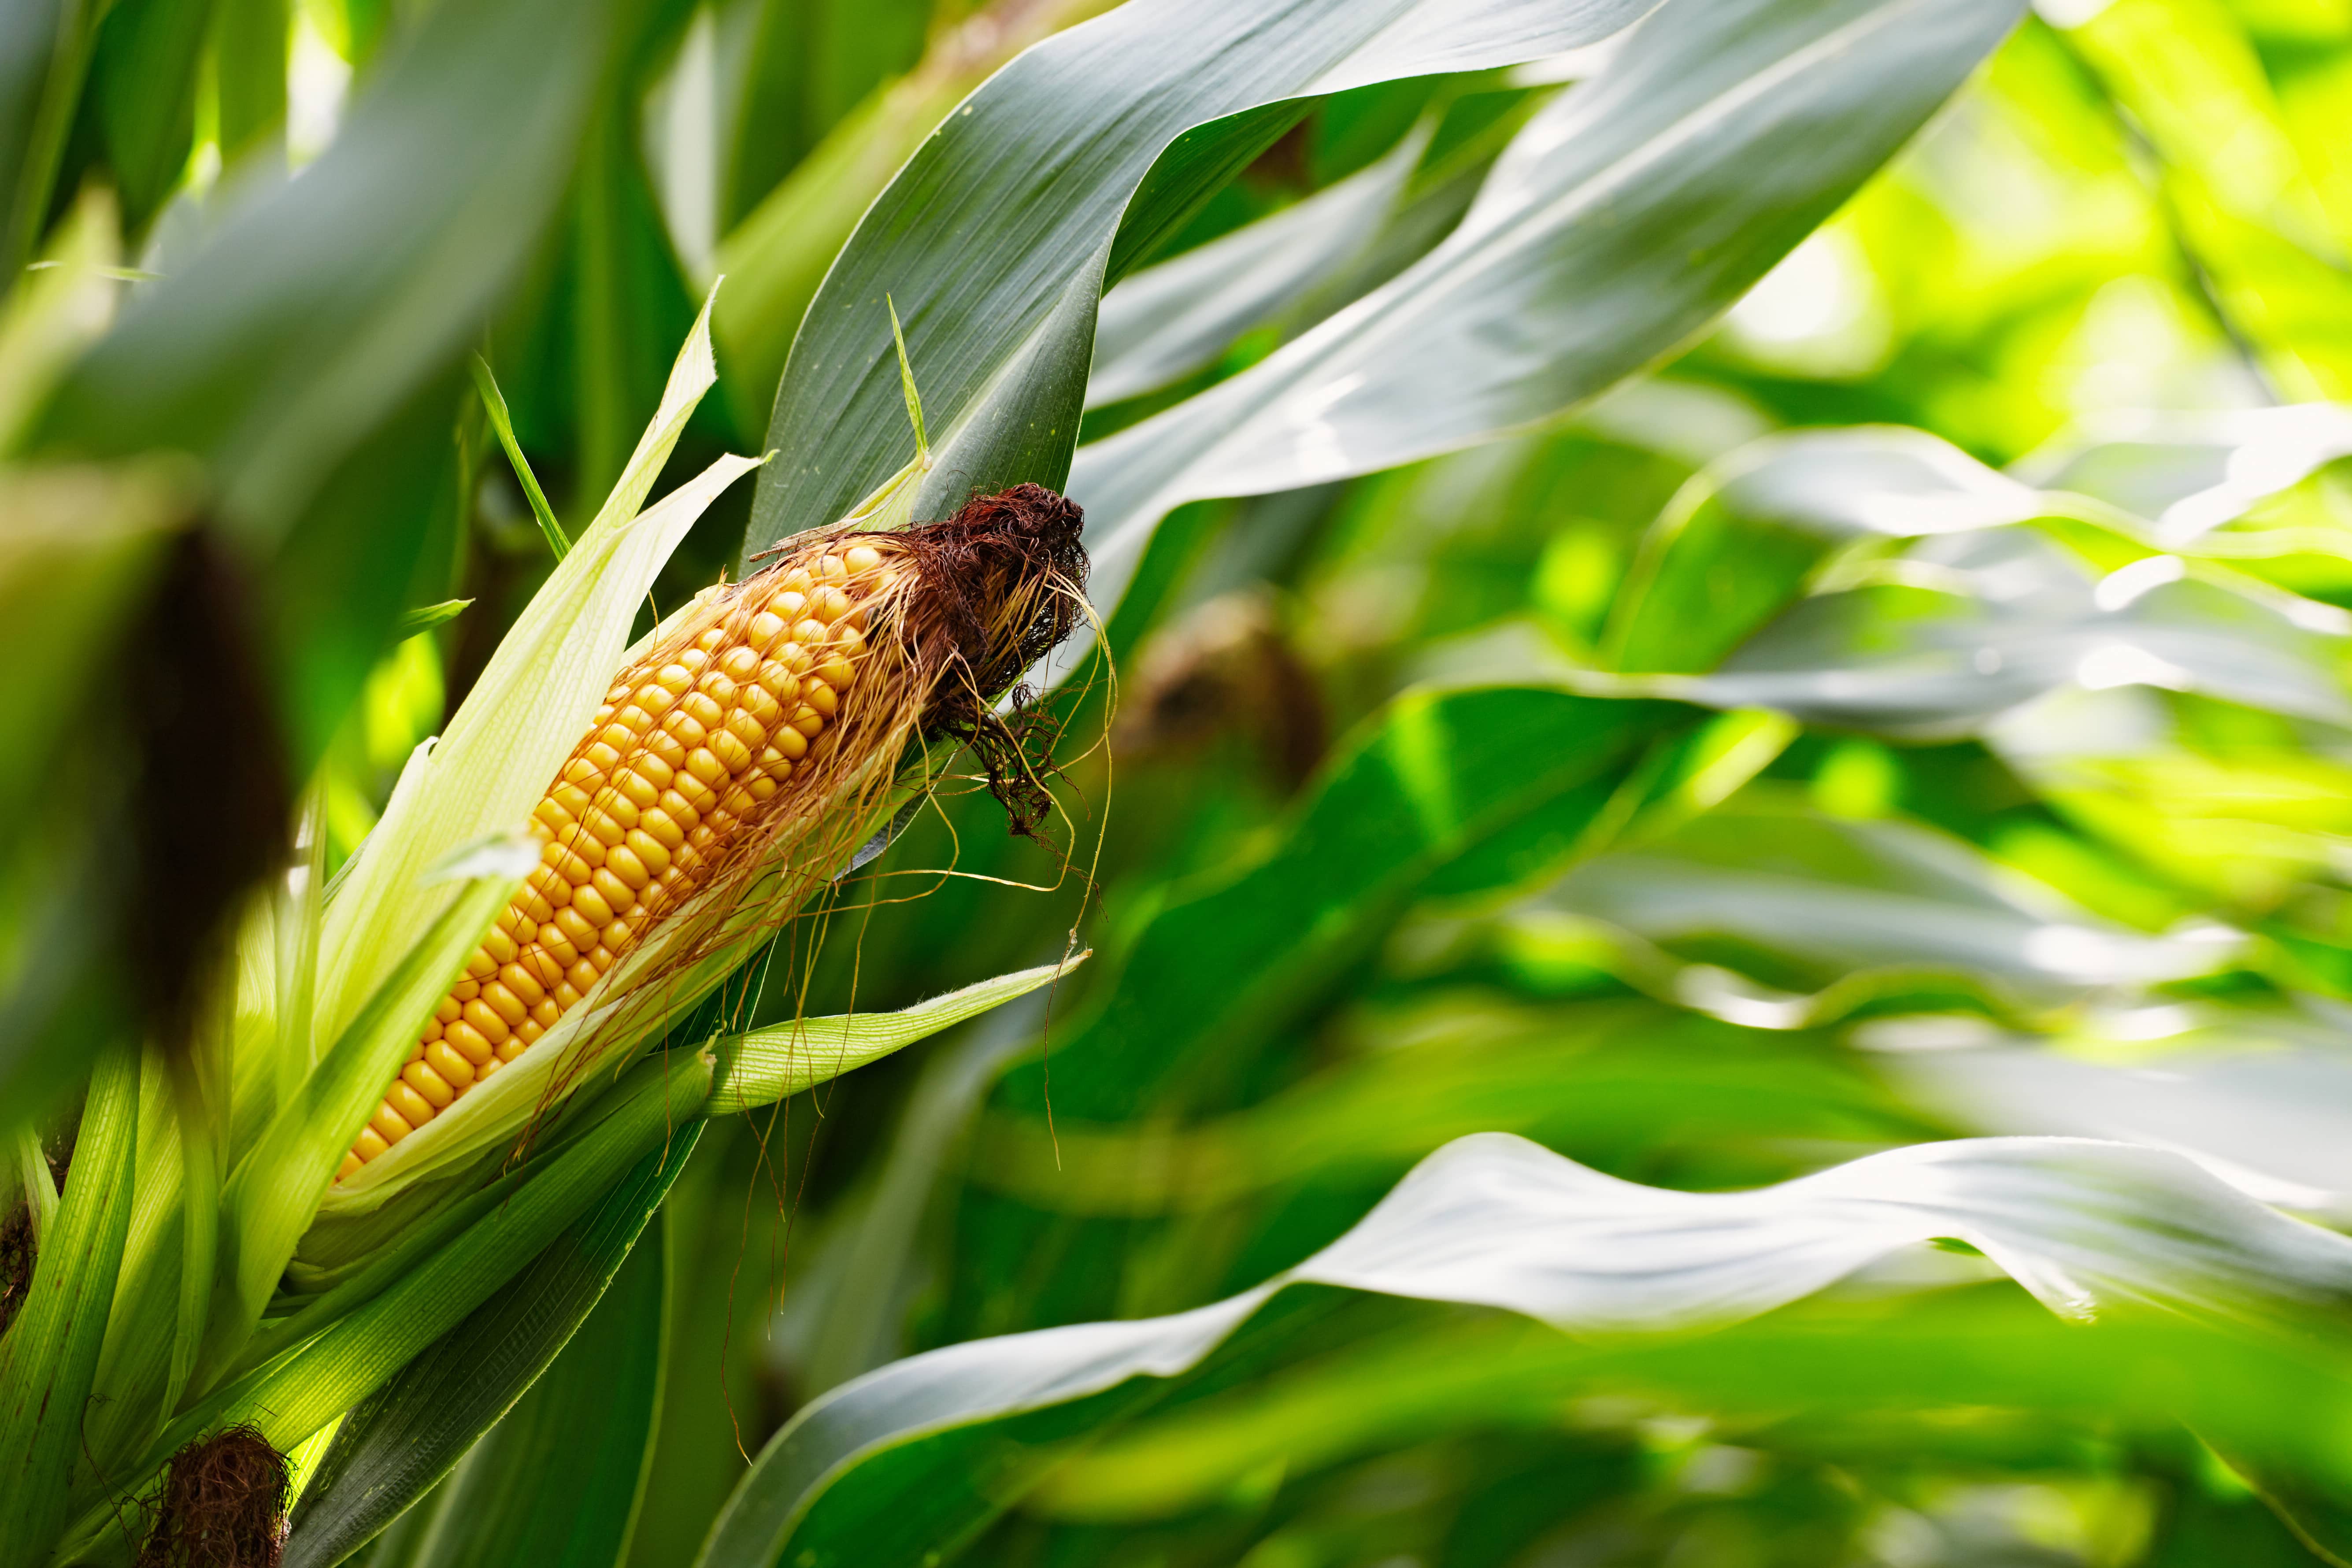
779 252
1746 536
861 1326
1742 539
2093 1230
2256 1096
1856 1364
55 312
1960 629
556 1476
1052 150
765 1065
627 301
1627 215
2193 85
29 1181
2141 628
49 1354
2187 474
1166 321
560 1477
2212 796
249 39
315 314
1461 795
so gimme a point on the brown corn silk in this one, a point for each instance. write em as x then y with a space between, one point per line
741 753
222 1505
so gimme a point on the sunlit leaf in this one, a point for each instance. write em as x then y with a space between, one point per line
2091 1229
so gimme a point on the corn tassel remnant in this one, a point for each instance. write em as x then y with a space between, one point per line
779 698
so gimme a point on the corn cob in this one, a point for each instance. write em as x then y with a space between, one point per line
684 752
694 741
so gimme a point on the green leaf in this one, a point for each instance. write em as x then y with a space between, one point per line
1484 788
778 254
1050 155
275 1189
765 1065
143 94
1625 217
1167 321
494 403
44 54
312 317
310 1387
55 310
912 1458
1596 1076
556 1479
249 43
2258 1096
628 300
49 1356
2191 83
1741 539
424 618
1840 899
29 1182
862 1324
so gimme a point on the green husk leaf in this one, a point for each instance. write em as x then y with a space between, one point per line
31 1177
200 1199
49 1356
765 1065
303 1392
275 1189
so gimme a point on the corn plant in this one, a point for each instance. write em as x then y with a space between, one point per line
1719 940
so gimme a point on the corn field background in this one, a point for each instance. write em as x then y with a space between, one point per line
1701 906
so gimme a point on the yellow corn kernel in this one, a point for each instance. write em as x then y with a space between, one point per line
419 1075
413 1108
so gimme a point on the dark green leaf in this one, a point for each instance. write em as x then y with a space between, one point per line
1050 153
49 1354
1626 216
556 1479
